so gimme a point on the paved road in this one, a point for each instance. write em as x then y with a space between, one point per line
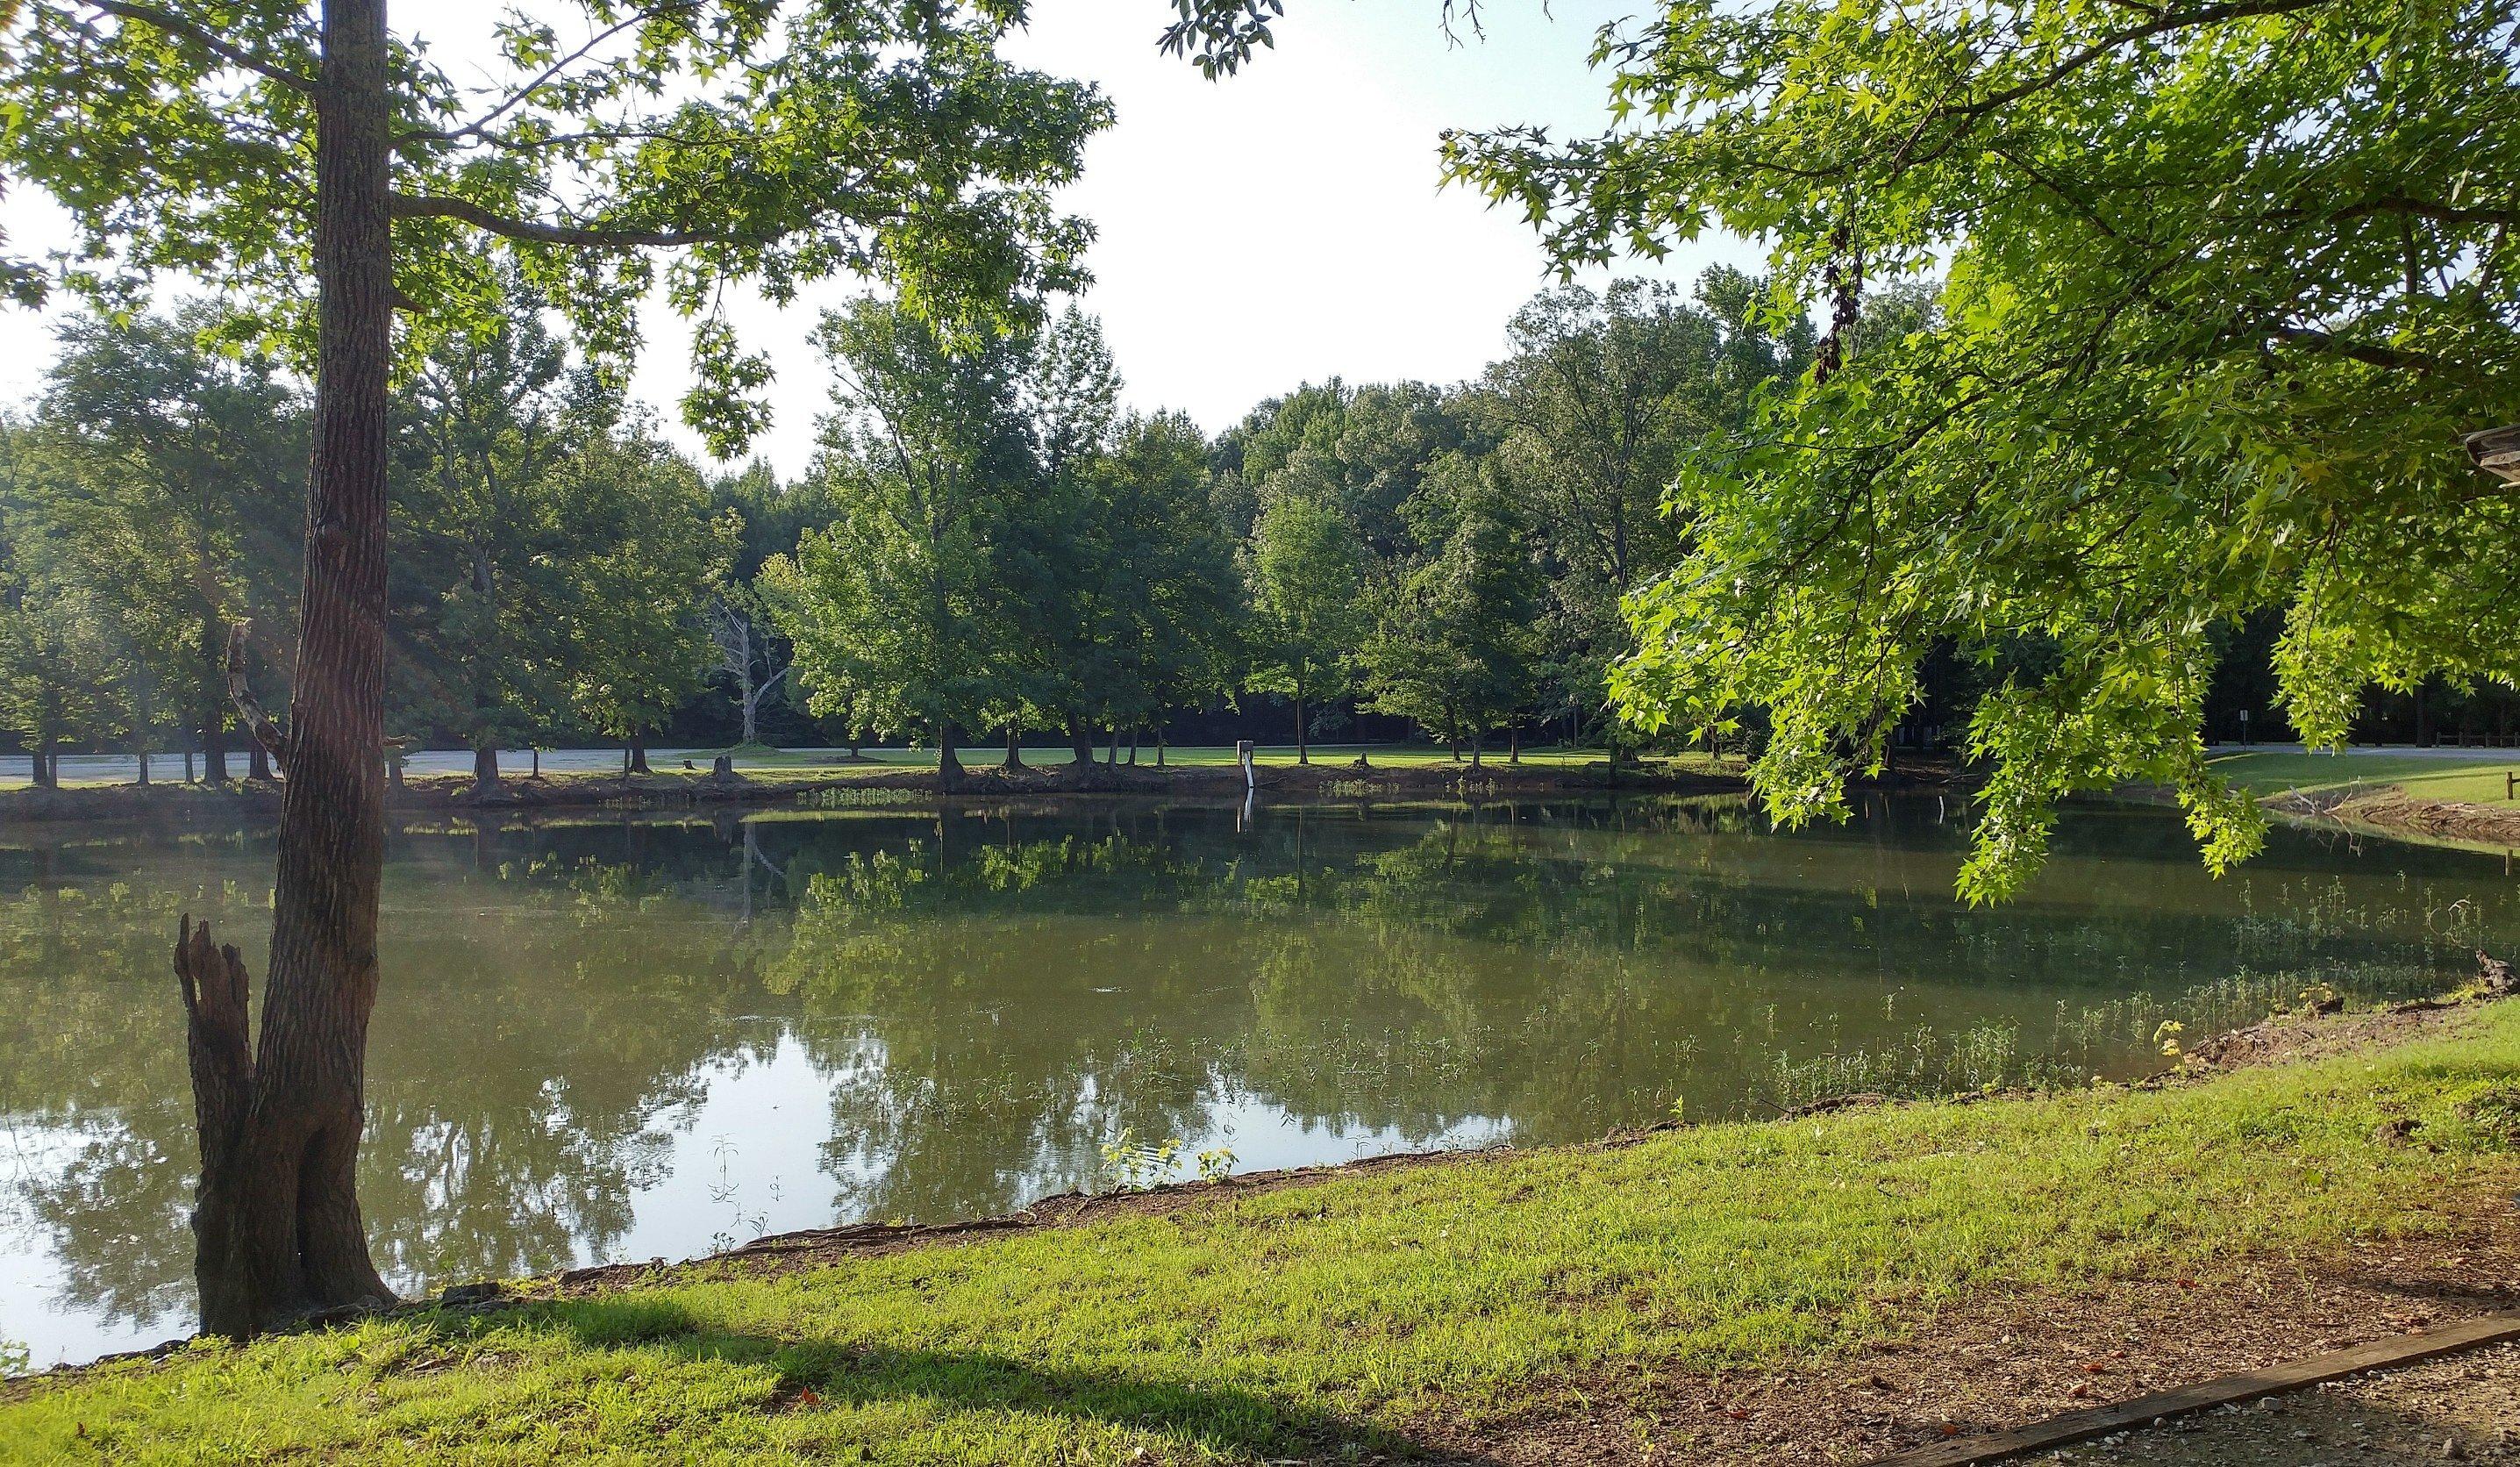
122 768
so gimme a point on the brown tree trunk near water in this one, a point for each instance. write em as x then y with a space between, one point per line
485 767
1015 748
639 754
949 760
1080 743
214 700
277 1226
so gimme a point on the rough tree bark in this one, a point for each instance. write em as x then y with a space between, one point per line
277 1227
485 767
1015 748
949 760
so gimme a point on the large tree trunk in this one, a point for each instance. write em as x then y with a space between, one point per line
278 1225
214 750
949 760
1080 743
1015 748
485 767
46 769
257 761
639 754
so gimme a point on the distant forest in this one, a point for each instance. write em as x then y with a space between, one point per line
987 547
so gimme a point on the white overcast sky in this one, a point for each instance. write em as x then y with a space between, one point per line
1277 227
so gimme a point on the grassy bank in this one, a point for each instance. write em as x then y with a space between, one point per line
1340 1318
2470 778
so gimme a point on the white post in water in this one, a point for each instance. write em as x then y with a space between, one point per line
1242 755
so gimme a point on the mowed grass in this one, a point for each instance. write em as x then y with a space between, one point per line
1327 1319
2474 779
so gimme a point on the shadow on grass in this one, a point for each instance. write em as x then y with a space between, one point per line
1225 1421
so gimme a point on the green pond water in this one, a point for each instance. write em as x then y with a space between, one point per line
611 1041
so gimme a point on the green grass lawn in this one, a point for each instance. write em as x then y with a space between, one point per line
2474 778
1318 1319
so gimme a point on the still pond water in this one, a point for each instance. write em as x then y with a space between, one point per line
606 1040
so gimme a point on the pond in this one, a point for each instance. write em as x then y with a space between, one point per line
616 1039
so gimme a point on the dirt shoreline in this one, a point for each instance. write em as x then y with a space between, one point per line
533 795
2396 812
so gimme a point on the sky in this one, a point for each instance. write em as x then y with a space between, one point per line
1279 226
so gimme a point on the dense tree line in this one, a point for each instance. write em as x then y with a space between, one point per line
987 546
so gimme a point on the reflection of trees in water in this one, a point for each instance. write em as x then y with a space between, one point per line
992 998
91 1063
1008 1012
519 1095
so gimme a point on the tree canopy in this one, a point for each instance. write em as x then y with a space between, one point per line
2222 286
750 141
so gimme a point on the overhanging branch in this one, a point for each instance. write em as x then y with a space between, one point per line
537 232
209 40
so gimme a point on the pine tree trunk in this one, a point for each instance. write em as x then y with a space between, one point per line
278 1225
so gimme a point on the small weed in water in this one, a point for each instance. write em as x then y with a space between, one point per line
1133 1166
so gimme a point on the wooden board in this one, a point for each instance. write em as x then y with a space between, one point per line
2100 1421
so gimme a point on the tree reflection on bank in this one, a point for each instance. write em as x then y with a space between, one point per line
953 1012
